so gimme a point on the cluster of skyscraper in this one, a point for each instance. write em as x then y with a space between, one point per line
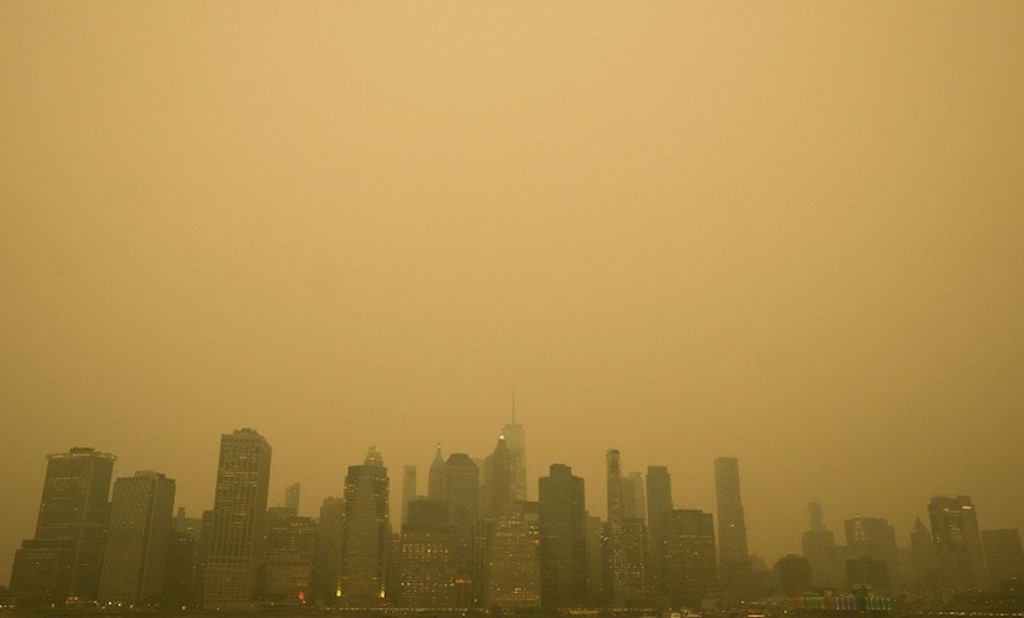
474 540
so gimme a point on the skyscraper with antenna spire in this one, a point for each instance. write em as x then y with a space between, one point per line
515 439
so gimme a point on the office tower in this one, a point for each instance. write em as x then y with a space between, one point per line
634 498
62 563
659 502
499 480
239 512
180 572
460 487
140 528
513 559
615 569
1003 556
872 537
689 556
327 562
367 533
794 575
922 557
408 490
291 497
563 541
868 572
596 560
957 539
515 437
288 556
634 554
434 477
427 565
732 530
819 545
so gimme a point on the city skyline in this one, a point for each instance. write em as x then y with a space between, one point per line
311 505
786 232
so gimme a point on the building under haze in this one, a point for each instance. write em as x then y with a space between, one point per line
689 559
181 572
513 571
237 523
135 559
408 490
819 548
427 559
958 549
63 562
659 503
292 493
460 488
327 556
563 541
1004 558
734 559
367 537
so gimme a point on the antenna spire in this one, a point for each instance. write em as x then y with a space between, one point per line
513 403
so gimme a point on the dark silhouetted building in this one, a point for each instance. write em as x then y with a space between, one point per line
563 540
239 512
500 474
732 530
794 575
435 474
689 556
957 539
292 493
408 490
288 557
460 487
868 572
819 547
659 503
515 437
367 533
922 557
63 562
181 573
427 561
327 556
1003 557
872 537
137 542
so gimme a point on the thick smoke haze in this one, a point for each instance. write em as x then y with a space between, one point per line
792 233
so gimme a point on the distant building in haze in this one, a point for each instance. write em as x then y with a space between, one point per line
291 497
1003 557
614 549
288 558
923 564
513 578
328 553
734 558
563 540
63 562
239 514
499 488
689 556
435 474
460 488
873 537
408 490
427 565
515 437
137 542
793 574
181 573
819 548
367 533
659 503
958 548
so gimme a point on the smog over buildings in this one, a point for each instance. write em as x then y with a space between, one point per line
515 305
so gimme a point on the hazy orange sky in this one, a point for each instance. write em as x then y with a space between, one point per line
789 232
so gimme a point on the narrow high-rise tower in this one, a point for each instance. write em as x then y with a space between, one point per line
237 527
659 504
367 533
408 490
563 541
515 437
62 563
140 529
732 529
958 548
